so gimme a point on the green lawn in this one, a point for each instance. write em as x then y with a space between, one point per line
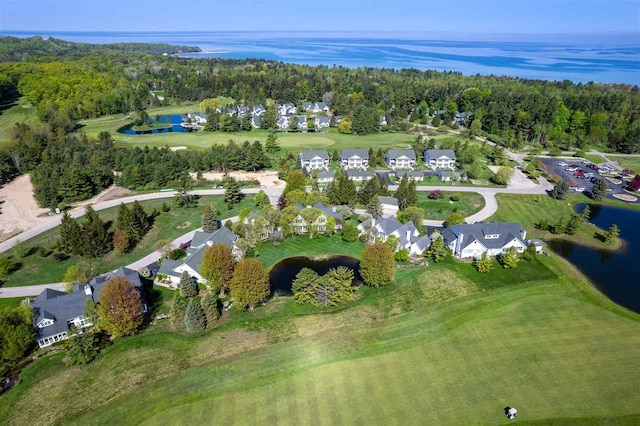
631 163
530 209
439 347
12 112
440 209
168 226
10 303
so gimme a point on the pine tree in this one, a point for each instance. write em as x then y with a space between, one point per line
139 222
209 304
232 193
70 235
402 194
374 208
383 188
586 213
612 233
437 250
368 191
209 219
271 144
599 190
377 266
412 194
574 224
188 287
560 190
96 241
123 220
194 317
178 308
344 191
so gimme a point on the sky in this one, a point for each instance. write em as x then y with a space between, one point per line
463 16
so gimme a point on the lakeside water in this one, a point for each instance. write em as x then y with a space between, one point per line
585 58
615 273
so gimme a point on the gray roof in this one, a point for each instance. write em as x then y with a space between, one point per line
507 231
388 200
396 153
199 244
410 173
221 236
328 210
358 173
308 155
307 105
437 153
423 242
320 105
388 224
348 153
445 173
322 119
324 174
168 266
302 120
61 306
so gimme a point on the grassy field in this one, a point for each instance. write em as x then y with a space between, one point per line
12 112
441 208
10 303
37 270
441 346
530 209
631 163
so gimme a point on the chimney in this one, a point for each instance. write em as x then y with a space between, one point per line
88 291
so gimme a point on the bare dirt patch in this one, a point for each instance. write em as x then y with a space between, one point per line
110 193
19 210
177 148
267 179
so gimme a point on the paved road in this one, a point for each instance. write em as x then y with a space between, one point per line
29 290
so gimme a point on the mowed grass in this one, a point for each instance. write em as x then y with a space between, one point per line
531 209
439 209
436 348
12 112
35 269
270 254
631 163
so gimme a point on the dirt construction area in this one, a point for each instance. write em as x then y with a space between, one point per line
267 179
18 209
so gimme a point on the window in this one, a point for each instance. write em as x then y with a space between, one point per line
491 236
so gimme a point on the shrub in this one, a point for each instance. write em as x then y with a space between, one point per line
555 151
44 251
456 196
402 255
6 266
349 232
20 250
510 258
377 266
483 264
634 185
454 219
84 348
436 194
145 272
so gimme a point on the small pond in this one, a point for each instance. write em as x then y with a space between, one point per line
176 119
284 272
615 273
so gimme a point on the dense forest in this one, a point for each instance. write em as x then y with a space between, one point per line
42 49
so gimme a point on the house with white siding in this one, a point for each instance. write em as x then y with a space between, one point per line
354 158
472 241
314 159
401 159
440 159
408 236
359 175
415 175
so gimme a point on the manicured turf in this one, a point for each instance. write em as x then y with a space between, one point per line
168 226
631 163
438 349
10 303
440 209
530 209
12 112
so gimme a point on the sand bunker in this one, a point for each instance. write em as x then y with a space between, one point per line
267 179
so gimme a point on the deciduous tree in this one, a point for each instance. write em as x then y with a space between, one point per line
250 283
218 263
377 266
120 307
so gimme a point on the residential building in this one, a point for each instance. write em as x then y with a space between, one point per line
451 175
463 118
318 223
407 234
319 107
314 159
307 106
415 175
56 311
440 158
354 158
243 110
326 176
287 109
258 110
256 121
401 158
196 118
260 226
201 241
359 175
473 240
282 122
302 122
322 122
389 204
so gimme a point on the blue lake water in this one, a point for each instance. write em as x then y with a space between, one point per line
175 127
615 273
614 58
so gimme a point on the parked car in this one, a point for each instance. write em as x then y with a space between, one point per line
587 162
581 189
571 169
563 164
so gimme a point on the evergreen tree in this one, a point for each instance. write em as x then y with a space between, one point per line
70 235
612 233
232 193
139 222
560 190
437 249
574 224
194 317
374 208
123 220
403 193
272 145
586 213
383 188
599 189
209 304
178 308
96 241
412 194
344 191
369 191
188 287
209 219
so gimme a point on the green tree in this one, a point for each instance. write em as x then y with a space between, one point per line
96 240
188 287
599 189
503 175
560 190
349 232
510 258
483 264
16 333
454 219
6 266
339 286
209 304
178 309
84 348
374 208
296 180
90 312
271 144
305 286
123 221
586 213
232 192
120 307
437 249
250 283
530 253
369 191
475 170
209 219
139 222
297 196
612 233
195 320
261 199
345 126
574 224
70 235
218 263
377 266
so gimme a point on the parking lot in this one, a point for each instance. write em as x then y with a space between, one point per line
578 173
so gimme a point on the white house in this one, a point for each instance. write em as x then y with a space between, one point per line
319 223
407 234
473 240
359 175
314 159
56 311
401 158
440 158
411 175
382 120
287 109
201 241
258 110
322 122
354 158
389 204
197 118
326 176
319 107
